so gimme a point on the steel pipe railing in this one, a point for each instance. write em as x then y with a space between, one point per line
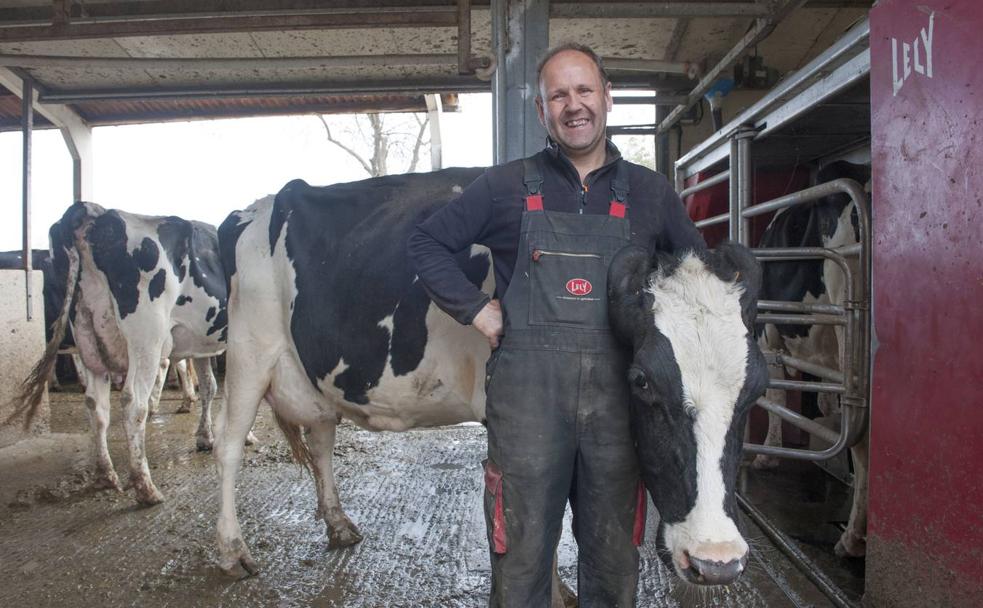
826 373
710 221
719 178
798 420
821 309
802 319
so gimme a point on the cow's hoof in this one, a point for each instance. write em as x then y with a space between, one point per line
106 481
762 462
147 493
343 536
205 443
251 439
184 409
850 545
235 560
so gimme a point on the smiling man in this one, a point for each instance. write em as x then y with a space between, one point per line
557 394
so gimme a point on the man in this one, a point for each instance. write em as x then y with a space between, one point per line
557 393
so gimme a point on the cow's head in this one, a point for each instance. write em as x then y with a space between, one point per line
695 373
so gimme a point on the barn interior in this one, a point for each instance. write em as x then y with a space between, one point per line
750 97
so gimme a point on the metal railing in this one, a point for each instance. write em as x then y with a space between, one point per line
849 382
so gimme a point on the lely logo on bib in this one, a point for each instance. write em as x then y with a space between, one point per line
579 287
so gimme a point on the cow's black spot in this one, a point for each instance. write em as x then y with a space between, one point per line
228 236
156 286
210 313
107 239
205 264
182 300
147 255
221 320
346 244
175 236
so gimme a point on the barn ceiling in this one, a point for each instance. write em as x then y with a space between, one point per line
114 61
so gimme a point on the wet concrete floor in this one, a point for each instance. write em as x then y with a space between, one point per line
416 497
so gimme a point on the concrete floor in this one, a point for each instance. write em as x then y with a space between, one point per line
415 495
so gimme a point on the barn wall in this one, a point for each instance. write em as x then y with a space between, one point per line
22 344
925 537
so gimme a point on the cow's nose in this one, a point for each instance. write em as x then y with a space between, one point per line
709 572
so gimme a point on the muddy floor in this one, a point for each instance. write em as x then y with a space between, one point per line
416 497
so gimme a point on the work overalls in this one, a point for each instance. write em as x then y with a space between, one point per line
557 413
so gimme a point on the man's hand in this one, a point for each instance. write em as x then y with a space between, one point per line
488 321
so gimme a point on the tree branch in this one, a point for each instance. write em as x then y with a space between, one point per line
353 153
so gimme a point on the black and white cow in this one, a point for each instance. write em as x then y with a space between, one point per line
831 223
695 374
327 321
139 289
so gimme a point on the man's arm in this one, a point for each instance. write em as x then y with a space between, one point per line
678 231
433 244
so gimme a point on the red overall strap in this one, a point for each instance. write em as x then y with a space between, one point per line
534 202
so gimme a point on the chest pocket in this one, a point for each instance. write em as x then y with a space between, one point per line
567 288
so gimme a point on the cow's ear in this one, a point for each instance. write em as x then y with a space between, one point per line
627 278
735 262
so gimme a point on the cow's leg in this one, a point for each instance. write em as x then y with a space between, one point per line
244 389
769 341
208 388
187 385
155 393
853 541
561 596
143 368
341 531
79 371
97 404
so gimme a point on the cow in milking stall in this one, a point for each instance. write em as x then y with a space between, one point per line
328 321
830 222
139 289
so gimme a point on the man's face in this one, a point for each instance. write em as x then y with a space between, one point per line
574 102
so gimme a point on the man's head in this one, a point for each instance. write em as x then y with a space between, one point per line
574 98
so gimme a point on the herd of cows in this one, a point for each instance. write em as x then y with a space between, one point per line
311 296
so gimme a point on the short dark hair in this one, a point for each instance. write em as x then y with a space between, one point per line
571 46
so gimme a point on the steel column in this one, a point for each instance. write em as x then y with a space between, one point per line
662 153
745 180
27 127
520 35
734 191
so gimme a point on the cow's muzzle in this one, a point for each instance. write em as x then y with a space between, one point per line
709 572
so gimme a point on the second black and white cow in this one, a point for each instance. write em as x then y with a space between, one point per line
54 296
139 289
327 321
830 223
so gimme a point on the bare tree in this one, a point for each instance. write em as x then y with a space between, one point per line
375 139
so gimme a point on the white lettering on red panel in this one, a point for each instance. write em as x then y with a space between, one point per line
915 56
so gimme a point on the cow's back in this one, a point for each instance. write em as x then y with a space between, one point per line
350 306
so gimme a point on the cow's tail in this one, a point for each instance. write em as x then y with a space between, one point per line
295 438
31 393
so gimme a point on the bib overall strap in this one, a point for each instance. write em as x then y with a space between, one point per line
619 190
533 178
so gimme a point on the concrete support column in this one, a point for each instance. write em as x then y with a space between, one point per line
520 36
434 110
77 133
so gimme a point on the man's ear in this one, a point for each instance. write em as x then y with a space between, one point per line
539 110
627 279
608 100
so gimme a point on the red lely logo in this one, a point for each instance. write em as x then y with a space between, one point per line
579 287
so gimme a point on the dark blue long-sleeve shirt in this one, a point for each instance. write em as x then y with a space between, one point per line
489 213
